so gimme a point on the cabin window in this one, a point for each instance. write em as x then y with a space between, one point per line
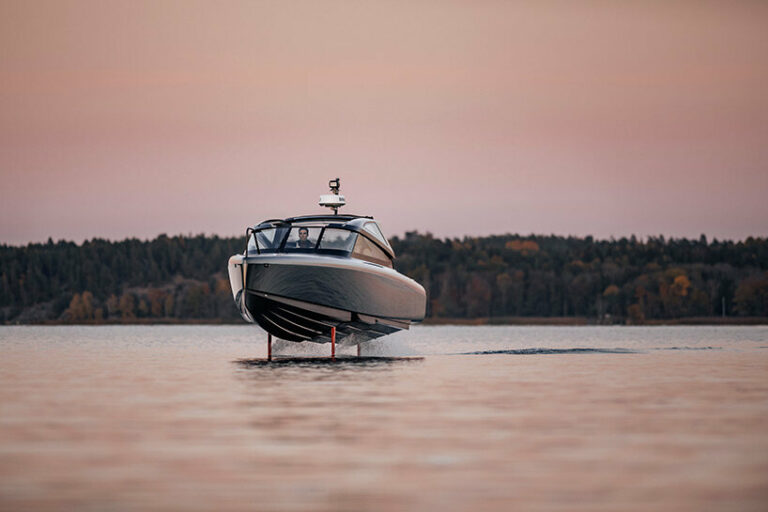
368 251
338 240
302 239
268 240
374 229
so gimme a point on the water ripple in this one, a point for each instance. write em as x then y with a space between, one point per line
528 351
690 348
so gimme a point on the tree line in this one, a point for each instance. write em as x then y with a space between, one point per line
183 278
169 278
625 280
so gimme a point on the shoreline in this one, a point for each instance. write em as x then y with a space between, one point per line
437 321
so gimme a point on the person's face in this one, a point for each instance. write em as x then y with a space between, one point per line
303 234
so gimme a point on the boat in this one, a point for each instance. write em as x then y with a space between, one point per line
323 278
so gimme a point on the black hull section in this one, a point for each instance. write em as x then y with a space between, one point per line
293 323
303 300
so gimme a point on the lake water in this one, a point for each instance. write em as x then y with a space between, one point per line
190 418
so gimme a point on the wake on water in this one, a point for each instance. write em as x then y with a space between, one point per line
398 347
386 347
527 351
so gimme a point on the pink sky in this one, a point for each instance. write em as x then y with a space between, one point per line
127 118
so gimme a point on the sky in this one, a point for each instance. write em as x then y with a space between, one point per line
130 119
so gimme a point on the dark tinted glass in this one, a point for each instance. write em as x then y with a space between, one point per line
338 239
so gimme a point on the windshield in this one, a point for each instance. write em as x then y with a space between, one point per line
305 237
302 239
338 239
267 240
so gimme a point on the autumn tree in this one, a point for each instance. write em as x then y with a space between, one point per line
127 306
751 297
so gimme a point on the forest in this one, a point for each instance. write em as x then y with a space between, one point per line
495 278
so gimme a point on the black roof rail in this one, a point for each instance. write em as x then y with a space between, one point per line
340 216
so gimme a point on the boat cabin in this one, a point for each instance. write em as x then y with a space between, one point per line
348 236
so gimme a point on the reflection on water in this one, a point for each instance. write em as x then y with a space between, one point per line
340 363
445 418
298 370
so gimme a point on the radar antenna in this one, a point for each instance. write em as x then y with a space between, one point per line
334 200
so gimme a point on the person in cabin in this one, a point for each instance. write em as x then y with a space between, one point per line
304 242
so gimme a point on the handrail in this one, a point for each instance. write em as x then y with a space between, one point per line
248 232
